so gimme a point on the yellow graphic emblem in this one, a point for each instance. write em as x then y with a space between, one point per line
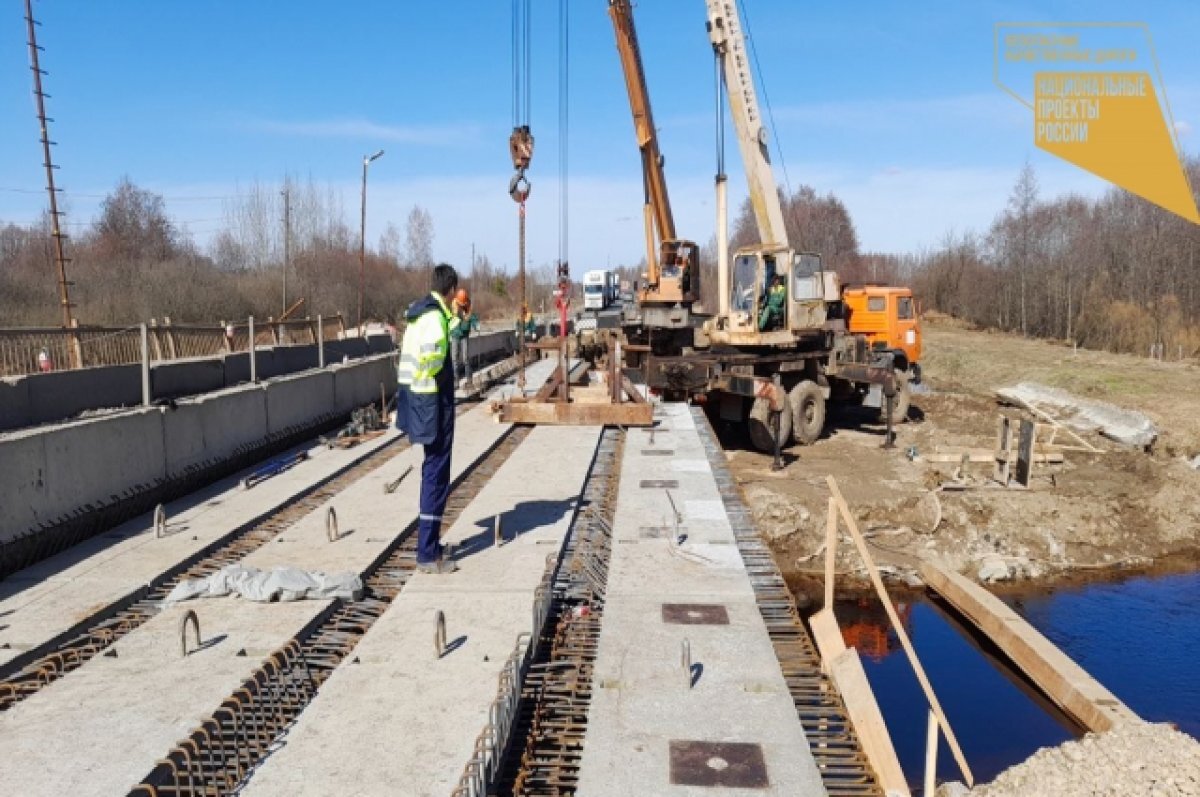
1111 123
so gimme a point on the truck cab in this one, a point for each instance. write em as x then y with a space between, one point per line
886 316
595 290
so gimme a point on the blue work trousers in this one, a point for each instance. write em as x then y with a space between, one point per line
435 489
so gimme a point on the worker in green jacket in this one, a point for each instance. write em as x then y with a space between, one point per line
774 309
464 322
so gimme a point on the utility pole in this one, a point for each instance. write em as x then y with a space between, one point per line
362 240
287 241
60 258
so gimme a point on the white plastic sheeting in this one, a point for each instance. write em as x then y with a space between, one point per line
279 584
1127 427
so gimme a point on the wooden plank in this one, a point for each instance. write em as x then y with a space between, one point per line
848 675
1050 419
826 634
1080 695
861 544
1003 446
830 552
577 414
978 455
1024 453
846 671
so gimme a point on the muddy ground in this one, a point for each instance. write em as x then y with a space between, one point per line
1121 509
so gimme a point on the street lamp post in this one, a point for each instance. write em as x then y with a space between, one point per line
362 241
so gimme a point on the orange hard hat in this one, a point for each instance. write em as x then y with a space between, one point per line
462 297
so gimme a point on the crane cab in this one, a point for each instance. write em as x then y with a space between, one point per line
886 316
672 285
777 295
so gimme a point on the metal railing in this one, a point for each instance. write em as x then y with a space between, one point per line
30 350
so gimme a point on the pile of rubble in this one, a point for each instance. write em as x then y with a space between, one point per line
1133 758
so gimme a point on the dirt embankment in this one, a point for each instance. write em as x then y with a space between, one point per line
1093 513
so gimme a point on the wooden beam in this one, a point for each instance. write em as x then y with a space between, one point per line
846 671
861 544
1080 695
980 455
577 413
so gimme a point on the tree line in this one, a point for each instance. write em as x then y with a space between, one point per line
1113 272
133 262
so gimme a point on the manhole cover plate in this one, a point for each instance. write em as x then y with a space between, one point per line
735 765
695 614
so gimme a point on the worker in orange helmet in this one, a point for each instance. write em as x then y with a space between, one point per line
463 322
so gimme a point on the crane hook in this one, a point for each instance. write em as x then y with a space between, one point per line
518 187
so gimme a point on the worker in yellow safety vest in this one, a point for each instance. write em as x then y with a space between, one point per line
425 408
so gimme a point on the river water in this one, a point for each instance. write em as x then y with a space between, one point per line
1138 637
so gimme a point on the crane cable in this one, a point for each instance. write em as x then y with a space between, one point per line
564 124
762 81
520 147
520 142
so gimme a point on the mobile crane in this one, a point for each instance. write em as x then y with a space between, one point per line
776 370
672 282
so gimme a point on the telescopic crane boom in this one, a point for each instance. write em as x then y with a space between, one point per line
672 264
757 268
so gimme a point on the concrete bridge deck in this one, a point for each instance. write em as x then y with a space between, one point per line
393 716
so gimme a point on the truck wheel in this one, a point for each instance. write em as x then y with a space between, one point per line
808 412
900 402
761 433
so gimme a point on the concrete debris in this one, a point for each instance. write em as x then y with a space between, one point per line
1128 427
994 568
1133 758
280 584
1195 463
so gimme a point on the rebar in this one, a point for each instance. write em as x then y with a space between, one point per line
27 674
220 754
839 756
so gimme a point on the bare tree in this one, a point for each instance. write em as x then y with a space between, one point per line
419 242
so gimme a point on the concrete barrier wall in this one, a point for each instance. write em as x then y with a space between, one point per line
50 472
64 394
48 398
354 387
212 427
483 348
185 378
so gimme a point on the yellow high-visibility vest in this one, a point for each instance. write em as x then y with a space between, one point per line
424 349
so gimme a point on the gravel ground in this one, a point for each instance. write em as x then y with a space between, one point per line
1132 760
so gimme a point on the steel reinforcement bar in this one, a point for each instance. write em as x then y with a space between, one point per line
225 749
39 667
844 769
533 742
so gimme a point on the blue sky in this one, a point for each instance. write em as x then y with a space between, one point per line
889 105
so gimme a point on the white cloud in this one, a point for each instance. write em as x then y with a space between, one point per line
1183 128
429 135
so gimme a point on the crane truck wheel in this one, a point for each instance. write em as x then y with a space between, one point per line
761 433
900 402
808 412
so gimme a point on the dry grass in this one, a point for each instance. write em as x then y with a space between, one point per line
957 358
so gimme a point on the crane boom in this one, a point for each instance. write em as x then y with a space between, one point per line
621 12
672 272
729 42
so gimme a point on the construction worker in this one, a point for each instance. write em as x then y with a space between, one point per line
772 313
465 321
425 408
